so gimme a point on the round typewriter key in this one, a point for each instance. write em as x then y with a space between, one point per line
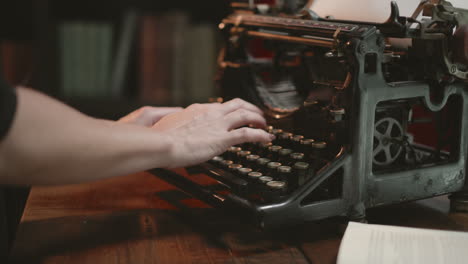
231 153
275 148
252 161
296 157
276 132
262 162
284 173
277 188
234 167
228 153
318 155
243 155
235 153
274 152
310 103
297 138
296 141
262 188
301 169
278 185
337 114
307 141
284 155
227 163
285 136
244 171
265 179
273 168
254 176
284 139
306 146
217 159
263 148
319 145
269 129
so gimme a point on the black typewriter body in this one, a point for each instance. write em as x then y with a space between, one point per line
359 122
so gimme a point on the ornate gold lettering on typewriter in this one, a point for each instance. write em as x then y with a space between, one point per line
360 122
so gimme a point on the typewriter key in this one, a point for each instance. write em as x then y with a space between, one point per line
228 153
265 179
319 145
254 176
284 139
269 129
337 114
274 152
318 154
296 157
296 141
263 148
227 163
286 136
235 153
301 169
262 162
276 132
273 168
284 173
306 146
231 153
216 159
284 155
277 188
234 167
252 161
242 155
244 171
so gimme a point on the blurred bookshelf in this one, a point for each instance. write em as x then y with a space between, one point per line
106 58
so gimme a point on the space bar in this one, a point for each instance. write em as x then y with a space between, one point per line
234 182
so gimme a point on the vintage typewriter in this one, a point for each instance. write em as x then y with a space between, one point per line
359 121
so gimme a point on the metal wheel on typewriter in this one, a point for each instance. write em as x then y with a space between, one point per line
388 134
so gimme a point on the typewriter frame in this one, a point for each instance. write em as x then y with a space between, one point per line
362 188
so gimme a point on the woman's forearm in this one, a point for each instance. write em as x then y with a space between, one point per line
51 143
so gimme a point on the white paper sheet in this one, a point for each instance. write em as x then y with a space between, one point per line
372 244
368 10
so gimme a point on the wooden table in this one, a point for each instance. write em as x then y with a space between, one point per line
141 219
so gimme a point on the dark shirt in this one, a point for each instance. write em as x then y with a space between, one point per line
7 107
8 201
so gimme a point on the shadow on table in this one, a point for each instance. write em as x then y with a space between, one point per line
219 228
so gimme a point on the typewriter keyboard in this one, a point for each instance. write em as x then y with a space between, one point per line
269 171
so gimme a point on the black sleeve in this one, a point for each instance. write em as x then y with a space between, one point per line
7 107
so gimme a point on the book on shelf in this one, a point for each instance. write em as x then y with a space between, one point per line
16 61
177 59
370 244
86 56
155 59
126 43
201 62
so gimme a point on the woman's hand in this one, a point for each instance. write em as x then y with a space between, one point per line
148 116
202 131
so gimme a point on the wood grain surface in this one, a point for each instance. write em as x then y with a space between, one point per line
141 219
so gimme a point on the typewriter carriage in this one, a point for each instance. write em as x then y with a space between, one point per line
348 67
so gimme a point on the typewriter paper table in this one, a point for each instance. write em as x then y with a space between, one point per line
141 219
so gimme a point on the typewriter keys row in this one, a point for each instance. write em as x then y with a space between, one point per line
274 169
